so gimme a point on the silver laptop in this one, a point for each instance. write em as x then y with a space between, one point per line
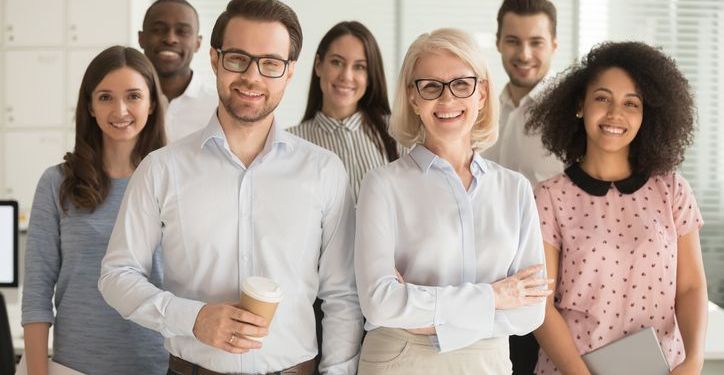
635 354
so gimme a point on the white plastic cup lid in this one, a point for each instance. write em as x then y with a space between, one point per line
262 289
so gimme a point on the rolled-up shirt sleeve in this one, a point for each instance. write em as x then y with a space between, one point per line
43 255
126 267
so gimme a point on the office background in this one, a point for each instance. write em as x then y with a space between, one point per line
45 46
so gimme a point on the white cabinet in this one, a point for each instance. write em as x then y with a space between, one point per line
45 48
78 61
34 88
98 23
33 22
26 154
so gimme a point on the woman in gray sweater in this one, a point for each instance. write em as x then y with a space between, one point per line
119 120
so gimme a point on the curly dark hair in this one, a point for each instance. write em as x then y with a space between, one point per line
667 127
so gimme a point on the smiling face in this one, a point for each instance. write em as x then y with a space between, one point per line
121 104
612 112
526 47
170 38
250 97
447 119
342 76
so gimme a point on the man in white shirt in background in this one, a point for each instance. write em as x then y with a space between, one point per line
526 40
241 198
170 38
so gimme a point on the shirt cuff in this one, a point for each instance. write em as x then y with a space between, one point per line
181 316
461 324
37 316
451 338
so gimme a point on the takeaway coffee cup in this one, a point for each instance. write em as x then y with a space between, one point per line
260 295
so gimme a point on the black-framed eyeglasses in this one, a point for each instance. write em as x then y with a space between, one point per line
431 89
239 62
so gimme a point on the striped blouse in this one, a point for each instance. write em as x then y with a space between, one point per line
358 146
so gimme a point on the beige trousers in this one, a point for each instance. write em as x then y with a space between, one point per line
392 351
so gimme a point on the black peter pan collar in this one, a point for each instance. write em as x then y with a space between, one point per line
599 188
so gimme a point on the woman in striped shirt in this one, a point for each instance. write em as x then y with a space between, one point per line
347 108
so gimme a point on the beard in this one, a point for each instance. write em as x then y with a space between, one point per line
243 112
525 83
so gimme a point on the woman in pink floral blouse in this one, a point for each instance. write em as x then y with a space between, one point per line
620 226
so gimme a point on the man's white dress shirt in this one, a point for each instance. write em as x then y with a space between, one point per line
190 111
287 216
517 150
449 244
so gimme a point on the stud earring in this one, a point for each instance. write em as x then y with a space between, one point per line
579 115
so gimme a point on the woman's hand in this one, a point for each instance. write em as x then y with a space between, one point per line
521 289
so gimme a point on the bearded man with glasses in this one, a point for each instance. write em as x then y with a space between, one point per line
241 198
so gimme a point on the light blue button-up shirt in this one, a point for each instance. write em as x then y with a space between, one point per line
449 244
287 216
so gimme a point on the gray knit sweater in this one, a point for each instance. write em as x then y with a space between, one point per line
63 258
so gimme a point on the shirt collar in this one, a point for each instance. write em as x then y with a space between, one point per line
599 188
532 96
277 137
351 123
193 90
424 158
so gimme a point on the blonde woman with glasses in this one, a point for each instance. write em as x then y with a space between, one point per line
448 252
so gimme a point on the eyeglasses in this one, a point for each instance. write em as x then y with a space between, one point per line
239 62
431 89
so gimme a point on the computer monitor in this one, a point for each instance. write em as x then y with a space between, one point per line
8 244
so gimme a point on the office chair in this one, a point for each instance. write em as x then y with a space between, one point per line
7 354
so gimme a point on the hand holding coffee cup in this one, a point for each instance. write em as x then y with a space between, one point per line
226 326
260 296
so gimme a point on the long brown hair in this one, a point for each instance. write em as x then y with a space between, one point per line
374 103
86 183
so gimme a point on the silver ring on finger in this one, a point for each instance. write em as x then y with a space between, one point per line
232 339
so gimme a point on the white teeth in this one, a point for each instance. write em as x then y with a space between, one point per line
612 130
448 114
121 125
342 88
168 53
522 66
250 93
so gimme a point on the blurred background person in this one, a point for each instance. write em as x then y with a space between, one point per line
347 107
170 38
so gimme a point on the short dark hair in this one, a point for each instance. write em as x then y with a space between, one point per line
527 8
159 2
374 104
667 126
261 10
